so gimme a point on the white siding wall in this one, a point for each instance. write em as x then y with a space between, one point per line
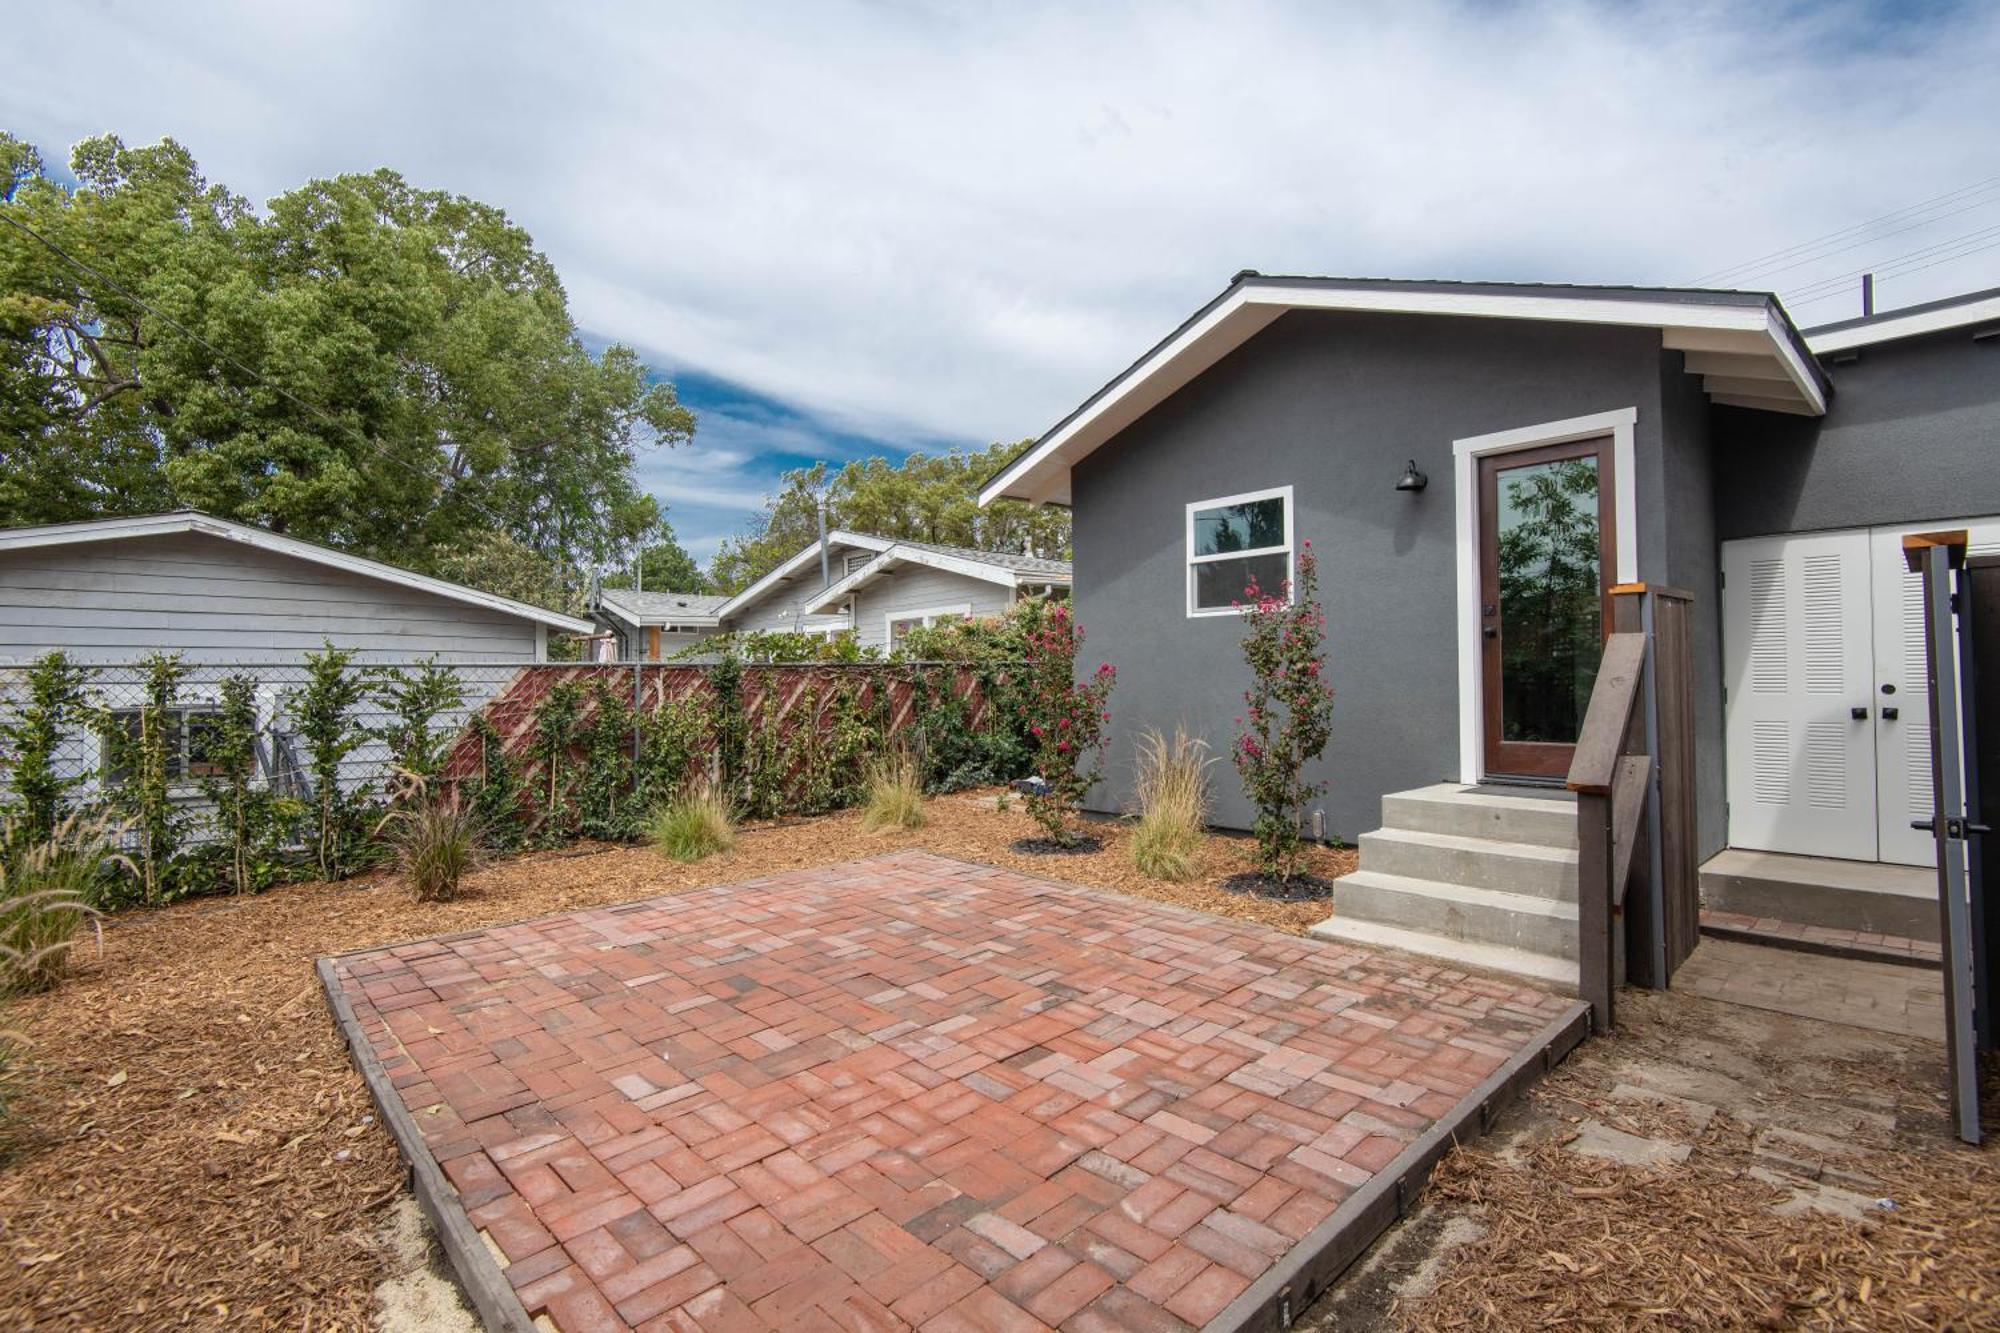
920 588
220 601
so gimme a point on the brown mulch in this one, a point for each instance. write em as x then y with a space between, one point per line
1578 1242
198 1150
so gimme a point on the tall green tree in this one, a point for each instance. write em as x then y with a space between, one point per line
389 369
925 497
664 563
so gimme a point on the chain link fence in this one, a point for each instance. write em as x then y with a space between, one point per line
115 698
86 756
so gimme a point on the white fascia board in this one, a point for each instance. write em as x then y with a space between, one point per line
911 555
1905 326
154 525
1041 474
838 537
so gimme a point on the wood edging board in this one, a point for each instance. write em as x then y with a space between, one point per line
1311 1267
478 1274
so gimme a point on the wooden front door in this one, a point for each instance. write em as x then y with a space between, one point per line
1545 570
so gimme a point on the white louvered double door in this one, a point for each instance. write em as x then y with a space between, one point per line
1827 716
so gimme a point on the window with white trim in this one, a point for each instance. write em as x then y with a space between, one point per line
898 624
1235 543
190 735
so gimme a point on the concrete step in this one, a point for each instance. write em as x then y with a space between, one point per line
1557 972
1481 863
1824 891
1480 812
1528 923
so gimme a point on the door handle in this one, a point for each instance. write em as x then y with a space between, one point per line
1891 713
1859 713
1491 631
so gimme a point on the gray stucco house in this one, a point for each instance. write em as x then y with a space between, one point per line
1444 446
876 588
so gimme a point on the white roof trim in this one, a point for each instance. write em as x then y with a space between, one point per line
1042 473
1892 327
899 554
838 537
157 525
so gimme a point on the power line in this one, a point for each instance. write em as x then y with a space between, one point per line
1902 272
1903 263
1895 216
1768 272
324 415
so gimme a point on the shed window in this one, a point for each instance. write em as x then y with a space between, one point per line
1236 542
190 737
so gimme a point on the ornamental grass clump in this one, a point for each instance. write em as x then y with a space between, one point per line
1288 718
49 889
895 794
436 838
694 825
1065 721
1172 787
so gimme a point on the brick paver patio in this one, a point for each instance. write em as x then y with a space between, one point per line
912 1092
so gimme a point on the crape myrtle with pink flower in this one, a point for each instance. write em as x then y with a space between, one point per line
1288 715
1065 721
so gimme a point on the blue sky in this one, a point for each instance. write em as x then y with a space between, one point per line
847 227
744 441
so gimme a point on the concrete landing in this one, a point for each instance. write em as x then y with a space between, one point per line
1823 891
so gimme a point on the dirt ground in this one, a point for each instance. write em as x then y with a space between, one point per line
200 1152
1707 1166
197 1150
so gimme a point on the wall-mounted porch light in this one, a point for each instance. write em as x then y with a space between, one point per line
1413 479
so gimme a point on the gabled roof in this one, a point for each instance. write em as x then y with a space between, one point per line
661 608
1743 343
755 592
207 525
1954 312
1004 568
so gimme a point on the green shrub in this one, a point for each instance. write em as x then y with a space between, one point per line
558 726
435 840
675 741
324 708
1172 787
252 822
48 890
30 736
895 794
607 806
416 700
142 748
694 825
493 795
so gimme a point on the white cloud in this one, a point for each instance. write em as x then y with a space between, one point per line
923 220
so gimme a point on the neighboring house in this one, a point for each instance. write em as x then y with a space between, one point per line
878 588
1581 436
115 589
230 598
653 625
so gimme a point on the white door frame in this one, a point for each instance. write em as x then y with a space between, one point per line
1466 453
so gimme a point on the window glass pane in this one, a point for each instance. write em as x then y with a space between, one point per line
202 733
1551 616
1221 583
1240 527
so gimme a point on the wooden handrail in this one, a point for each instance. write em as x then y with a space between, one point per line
1601 743
1612 784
